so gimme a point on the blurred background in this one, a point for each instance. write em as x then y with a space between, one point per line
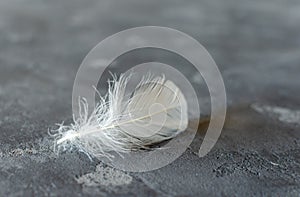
256 45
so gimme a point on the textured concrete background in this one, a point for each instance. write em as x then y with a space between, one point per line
256 45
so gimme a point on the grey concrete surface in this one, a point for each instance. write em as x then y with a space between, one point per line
256 45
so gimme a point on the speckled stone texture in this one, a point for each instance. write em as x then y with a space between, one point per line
256 45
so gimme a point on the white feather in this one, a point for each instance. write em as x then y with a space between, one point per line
156 111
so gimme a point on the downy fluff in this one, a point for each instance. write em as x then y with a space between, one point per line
154 112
